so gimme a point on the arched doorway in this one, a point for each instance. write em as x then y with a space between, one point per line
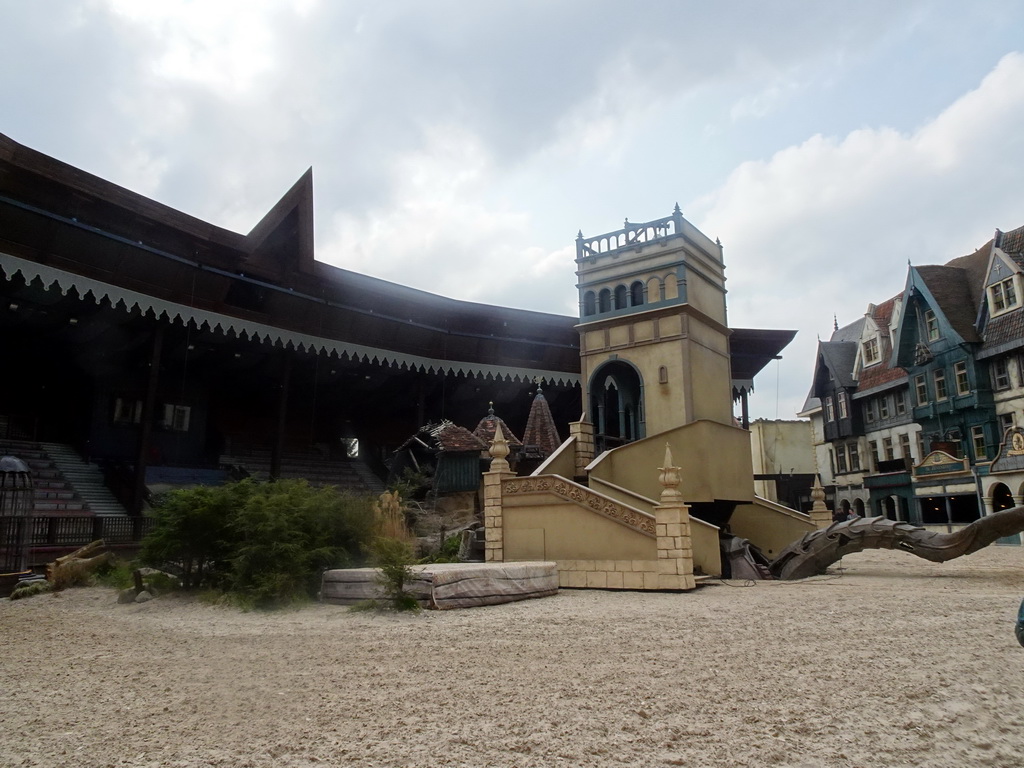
616 404
1001 497
858 507
889 504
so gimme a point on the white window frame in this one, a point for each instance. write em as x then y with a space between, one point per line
905 446
176 417
939 380
931 325
1003 296
871 411
978 442
921 389
1000 374
900 398
871 354
127 411
963 381
887 449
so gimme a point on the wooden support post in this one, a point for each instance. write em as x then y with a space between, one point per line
146 426
277 450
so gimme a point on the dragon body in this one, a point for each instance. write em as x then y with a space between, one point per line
817 550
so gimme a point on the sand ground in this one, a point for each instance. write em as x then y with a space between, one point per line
887 661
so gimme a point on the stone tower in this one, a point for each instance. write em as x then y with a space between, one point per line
654 340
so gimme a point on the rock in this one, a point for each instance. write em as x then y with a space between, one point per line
126 596
143 597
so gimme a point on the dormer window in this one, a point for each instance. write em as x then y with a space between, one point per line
830 410
871 351
931 325
1003 296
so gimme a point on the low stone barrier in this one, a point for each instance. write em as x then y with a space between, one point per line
448 585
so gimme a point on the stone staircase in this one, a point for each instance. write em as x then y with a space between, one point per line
85 479
53 493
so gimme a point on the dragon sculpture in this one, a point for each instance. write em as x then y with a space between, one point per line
817 550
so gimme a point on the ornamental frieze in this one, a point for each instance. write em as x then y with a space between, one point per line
583 496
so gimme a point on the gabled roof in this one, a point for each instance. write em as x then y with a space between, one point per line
451 438
839 357
882 372
951 292
1012 242
851 332
1003 334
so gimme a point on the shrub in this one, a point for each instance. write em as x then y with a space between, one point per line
265 543
394 558
31 590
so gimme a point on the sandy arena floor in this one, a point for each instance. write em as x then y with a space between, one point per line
887 661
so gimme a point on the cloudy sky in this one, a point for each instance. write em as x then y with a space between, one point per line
458 146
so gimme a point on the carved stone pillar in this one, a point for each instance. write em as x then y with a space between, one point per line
583 431
494 546
820 514
672 528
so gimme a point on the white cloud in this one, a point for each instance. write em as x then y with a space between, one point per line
831 223
224 46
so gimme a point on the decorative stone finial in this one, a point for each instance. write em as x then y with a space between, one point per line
820 516
499 450
677 210
817 493
490 408
579 235
669 479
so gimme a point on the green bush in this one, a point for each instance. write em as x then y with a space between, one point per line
394 558
116 574
264 543
31 590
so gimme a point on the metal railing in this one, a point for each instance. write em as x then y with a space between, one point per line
72 531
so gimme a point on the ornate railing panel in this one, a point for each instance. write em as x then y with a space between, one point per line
630 236
584 497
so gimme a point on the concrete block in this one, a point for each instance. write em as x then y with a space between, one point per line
669 567
668 581
650 580
604 565
633 580
668 516
597 579
614 579
577 579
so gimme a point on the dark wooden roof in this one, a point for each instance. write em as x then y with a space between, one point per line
59 216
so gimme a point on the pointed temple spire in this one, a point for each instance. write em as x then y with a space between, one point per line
541 436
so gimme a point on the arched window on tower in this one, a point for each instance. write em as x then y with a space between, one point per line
604 301
620 297
636 294
589 303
